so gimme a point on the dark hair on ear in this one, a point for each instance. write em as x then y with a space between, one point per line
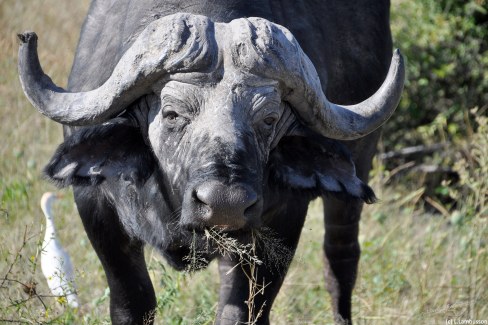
317 166
87 156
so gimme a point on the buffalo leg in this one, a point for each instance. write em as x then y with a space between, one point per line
341 246
132 298
342 253
235 283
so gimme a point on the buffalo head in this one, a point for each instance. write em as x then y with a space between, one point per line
218 99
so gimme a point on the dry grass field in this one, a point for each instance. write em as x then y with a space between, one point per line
418 266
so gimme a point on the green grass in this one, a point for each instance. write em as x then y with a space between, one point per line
416 267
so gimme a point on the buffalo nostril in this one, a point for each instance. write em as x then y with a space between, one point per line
201 201
250 209
204 195
251 198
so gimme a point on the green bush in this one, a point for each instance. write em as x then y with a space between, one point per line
473 184
446 47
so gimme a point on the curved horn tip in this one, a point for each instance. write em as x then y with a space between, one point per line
27 37
397 56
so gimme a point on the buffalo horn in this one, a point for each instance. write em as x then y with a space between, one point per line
164 46
349 122
273 52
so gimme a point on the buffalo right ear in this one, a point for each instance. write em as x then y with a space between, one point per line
319 166
93 154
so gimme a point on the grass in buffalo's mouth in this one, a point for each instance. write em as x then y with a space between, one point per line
276 256
242 249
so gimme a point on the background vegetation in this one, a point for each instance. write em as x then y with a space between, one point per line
425 256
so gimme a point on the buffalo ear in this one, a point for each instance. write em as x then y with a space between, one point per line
317 165
93 154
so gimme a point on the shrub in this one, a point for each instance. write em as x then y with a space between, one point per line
446 47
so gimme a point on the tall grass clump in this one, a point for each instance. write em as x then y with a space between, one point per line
472 167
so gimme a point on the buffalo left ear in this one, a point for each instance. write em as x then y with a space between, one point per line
93 154
318 165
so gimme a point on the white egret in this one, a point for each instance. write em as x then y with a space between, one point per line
55 261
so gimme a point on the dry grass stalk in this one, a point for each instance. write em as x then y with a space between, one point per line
275 255
255 288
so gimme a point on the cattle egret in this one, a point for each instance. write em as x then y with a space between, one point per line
55 261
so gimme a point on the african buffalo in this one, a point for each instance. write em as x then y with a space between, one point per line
182 116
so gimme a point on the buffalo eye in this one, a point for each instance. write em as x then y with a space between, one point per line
270 120
171 117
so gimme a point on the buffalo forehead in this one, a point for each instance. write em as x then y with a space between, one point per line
235 89
253 49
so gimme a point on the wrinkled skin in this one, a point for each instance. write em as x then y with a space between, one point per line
241 128
188 142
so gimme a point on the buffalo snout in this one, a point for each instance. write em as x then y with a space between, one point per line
227 207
